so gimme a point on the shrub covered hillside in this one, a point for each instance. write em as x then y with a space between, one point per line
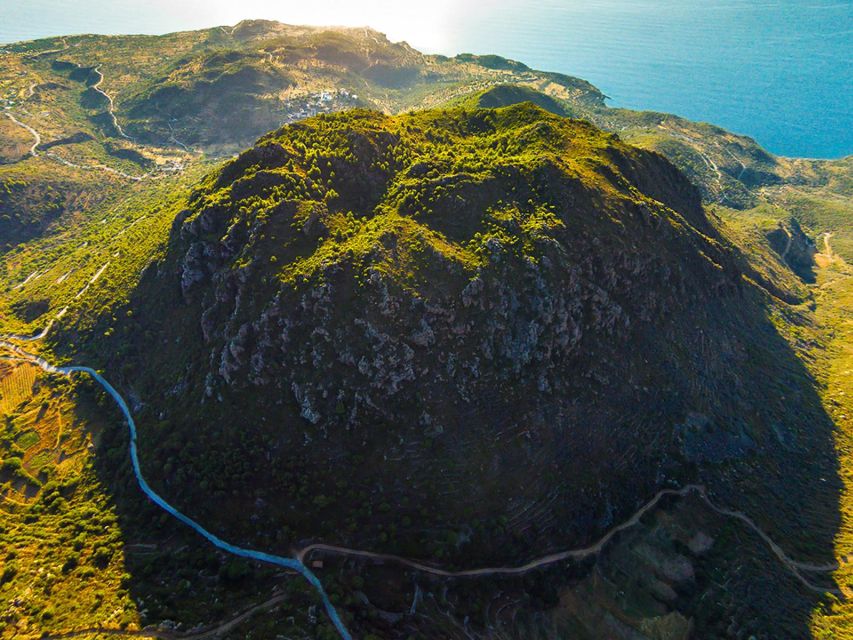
461 335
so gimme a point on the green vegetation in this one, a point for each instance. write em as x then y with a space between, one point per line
75 571
82 549
114 241
222 90
468 335
835 310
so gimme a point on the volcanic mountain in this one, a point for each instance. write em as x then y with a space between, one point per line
501 325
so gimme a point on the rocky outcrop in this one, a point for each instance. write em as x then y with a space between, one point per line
795 248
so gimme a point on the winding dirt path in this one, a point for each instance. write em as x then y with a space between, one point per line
35 274
92 280
33 149
696 146
796 568
736 159
827 248
98 167
788 243
793 566
290 563
36 336
175 140
84 167
111 109
827 256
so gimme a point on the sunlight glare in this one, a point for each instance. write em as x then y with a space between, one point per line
423 26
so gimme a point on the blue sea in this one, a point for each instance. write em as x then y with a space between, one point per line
780 71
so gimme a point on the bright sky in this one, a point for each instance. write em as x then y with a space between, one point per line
422 24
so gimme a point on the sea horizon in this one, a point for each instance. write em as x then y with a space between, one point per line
793 97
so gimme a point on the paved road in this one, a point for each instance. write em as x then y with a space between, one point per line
252 554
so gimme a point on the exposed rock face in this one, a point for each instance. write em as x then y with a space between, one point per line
795 248
496 317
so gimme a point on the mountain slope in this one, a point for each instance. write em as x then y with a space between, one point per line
428 307
504 95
